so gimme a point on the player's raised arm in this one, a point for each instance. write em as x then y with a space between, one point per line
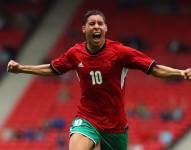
15 67
168 72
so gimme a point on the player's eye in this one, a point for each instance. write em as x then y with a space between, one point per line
100 23
91 23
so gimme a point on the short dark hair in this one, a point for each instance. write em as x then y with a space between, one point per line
92 12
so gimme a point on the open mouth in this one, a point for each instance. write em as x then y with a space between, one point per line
96 36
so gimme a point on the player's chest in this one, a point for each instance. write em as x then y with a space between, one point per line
103 64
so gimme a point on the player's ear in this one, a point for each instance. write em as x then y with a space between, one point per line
106 28
83 28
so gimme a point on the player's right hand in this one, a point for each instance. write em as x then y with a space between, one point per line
187 74
13 66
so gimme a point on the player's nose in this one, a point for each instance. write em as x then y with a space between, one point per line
96 25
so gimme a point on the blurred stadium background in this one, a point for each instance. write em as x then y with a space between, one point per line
36 112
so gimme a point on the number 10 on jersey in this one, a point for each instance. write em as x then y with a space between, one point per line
96 77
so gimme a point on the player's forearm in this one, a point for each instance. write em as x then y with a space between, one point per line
167 72
44 70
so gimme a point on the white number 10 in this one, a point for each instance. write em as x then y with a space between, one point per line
96 77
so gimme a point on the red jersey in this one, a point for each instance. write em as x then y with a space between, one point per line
102 81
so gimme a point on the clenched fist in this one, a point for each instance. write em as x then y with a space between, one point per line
187 74
13 66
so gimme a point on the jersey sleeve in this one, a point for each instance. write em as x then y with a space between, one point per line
63 63
135 59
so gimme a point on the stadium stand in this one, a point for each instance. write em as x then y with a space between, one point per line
18 18
158 115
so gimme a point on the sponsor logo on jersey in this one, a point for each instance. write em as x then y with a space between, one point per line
80 65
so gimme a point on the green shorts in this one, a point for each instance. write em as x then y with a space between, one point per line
107 141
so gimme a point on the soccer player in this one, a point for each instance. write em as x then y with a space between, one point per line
101 65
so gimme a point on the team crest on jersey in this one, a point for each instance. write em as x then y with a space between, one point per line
78 122
80 65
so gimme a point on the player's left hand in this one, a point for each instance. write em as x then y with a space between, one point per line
187 74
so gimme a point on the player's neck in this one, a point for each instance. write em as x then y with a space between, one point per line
95 48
